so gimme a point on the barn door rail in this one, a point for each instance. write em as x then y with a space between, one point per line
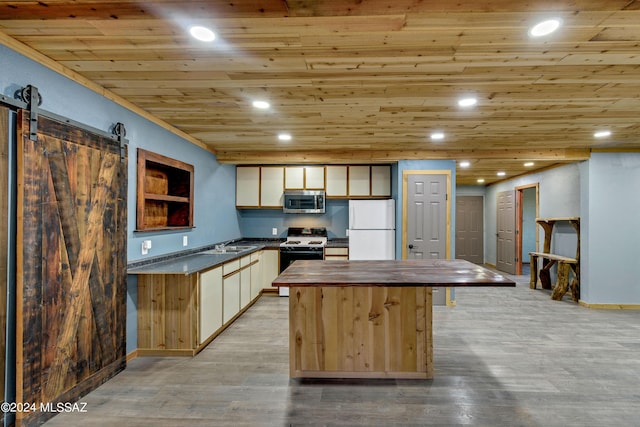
29 98
32 97
120 132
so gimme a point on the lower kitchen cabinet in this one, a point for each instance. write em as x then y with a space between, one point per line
178 315
256 274
210 307
167 314
270 267
335 253
230 296
245 281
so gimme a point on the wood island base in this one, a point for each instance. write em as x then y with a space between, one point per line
369 319
364 331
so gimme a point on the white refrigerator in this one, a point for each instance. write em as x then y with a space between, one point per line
372 229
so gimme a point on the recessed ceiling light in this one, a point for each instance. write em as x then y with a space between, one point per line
545 27
602 134
480 180
529 164
501 173
437 136
202 33
284 137
467 102
464 164
261 104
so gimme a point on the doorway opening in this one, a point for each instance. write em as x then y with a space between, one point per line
527 203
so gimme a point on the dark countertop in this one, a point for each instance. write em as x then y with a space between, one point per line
265 243
338 243
193 260
390 273
189 263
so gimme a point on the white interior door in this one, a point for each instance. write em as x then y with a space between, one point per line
506 232
426 206
469 228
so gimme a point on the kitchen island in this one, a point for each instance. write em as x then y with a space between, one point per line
369 319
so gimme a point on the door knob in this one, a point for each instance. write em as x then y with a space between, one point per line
410 246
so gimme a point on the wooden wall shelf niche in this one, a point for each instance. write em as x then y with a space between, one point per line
164 193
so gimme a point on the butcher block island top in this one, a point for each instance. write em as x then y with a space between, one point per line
433 272
369 319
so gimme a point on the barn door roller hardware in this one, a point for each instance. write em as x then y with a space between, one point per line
32 97
120 131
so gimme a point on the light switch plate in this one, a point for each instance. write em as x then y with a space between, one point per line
185 240
274 231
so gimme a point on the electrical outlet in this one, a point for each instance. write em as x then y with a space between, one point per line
185 240
274 231
146 245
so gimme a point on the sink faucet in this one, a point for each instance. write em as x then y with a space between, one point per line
222 245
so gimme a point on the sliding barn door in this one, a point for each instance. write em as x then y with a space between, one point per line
71 263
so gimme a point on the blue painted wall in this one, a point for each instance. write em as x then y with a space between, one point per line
215 216
603 193
610 234
559 197
260 222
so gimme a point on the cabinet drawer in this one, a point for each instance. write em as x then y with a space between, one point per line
245 260
230 267
336 251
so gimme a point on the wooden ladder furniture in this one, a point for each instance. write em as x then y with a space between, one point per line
565 264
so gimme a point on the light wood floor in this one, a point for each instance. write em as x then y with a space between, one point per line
509 357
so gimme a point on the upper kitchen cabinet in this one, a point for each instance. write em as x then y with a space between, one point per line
248 186
259 186
359 181
263 186
367 181
271 186
294 178
381 181
304 178
337 181
164 193
314 178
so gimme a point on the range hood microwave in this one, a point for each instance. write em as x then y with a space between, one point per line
304 201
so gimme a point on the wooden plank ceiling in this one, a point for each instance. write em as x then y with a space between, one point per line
360 80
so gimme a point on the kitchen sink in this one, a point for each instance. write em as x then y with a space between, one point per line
228 250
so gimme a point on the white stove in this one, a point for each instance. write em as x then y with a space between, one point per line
302 243
304 238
